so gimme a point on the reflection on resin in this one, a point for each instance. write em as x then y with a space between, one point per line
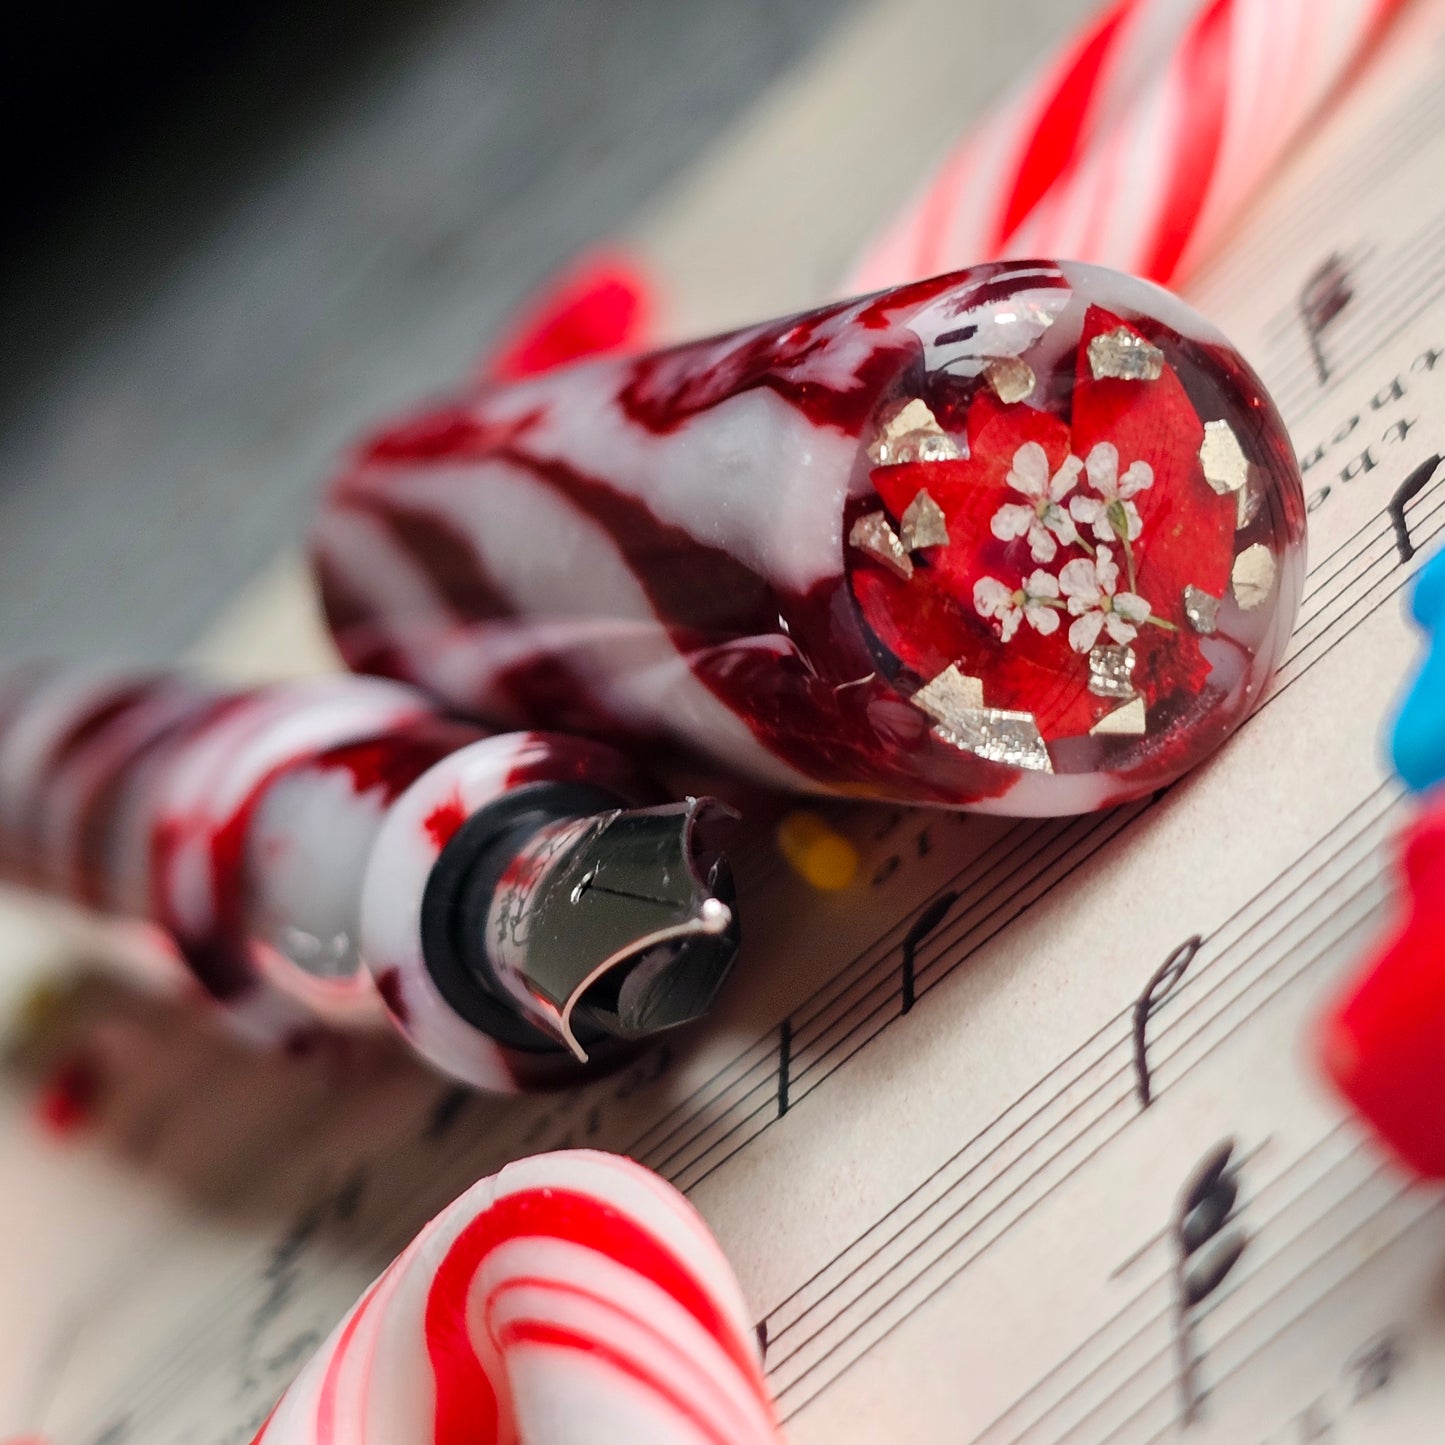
1026 538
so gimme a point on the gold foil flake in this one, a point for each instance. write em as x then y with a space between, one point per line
1124 356
1225 466
1129 721
955 703
949 696
912 415
1201 608
873 535
1011 377
1252 579
911 433
1111 671
923 524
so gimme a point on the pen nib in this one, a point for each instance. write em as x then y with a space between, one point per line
626 928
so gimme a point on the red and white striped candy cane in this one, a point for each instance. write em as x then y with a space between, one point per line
1137 144
571 1299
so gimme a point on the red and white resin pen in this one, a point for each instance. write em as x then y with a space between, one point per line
1027 538
337 850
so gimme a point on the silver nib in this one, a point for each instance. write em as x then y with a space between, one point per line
621 924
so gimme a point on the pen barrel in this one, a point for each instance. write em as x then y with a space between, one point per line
289 841
723 545
239 823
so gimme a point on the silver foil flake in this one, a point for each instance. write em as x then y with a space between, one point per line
1124 356
873 535
923 524
927 446
1011 738
1129 721
1111 671
955 703
1202 609
1011 377
1225 467
1252 579
911 433
949 696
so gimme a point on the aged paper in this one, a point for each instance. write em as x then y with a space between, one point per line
945 1119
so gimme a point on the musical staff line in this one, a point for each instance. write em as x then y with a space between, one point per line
1429 1211
789 1369
845 1019
1362 595
1259 1277
1394 293
1089 1368
1409 126
1290 884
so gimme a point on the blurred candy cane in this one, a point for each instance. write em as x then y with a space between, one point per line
570 1298
1137 144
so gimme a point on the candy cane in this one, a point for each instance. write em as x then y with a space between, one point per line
570 1299
1137 144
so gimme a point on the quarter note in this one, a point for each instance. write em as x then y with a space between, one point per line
1375 1364
1207 1246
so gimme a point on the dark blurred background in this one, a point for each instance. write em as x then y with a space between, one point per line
235 234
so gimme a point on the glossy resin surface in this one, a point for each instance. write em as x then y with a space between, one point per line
1027 538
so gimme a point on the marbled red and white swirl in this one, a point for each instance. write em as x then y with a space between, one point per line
282 838
571 1299
661 547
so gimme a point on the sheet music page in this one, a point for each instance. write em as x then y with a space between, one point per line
945 1119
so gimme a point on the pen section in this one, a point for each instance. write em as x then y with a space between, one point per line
1026 538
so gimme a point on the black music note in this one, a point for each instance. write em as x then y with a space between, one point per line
1164 980
785 1060
1408 490
762 1331
926 922
1375 1364
1206 1249
889 824
886 869
1325 294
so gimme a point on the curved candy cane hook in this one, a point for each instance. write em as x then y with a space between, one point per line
572 1297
